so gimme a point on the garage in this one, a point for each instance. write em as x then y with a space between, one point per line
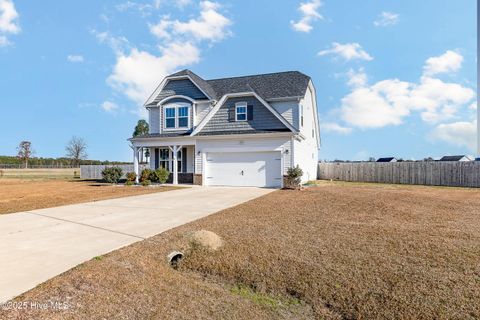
244 169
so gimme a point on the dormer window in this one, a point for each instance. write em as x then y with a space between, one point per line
177 117
241 111
170 117
183 117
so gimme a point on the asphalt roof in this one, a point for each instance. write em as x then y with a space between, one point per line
452 158
268 86
386 159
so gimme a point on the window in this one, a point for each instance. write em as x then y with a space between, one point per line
177 117
301 115
170 117
165 159
241 111
182 117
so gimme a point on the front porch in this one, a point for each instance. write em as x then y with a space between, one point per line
178 159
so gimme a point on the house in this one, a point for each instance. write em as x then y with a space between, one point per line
456 158
239 131
387 159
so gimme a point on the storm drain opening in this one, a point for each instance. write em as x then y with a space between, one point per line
174 258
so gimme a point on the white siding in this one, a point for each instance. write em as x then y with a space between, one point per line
306 151
201 111
245 144
288 110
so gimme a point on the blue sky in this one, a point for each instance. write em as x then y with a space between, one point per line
392 77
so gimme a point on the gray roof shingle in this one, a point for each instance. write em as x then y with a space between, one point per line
268 86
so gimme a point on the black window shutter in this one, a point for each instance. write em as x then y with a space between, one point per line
156 158
184 160
231 113
250 112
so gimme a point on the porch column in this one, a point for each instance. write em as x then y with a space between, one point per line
175 150
135 163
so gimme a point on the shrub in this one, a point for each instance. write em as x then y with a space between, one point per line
145 183
160 175
112 175
129 183
131 176
145 175
294 178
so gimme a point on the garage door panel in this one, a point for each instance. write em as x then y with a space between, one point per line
262 169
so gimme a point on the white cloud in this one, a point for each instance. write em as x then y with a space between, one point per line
376 106
211 25
450 61
183 3
389 101
462 134
75 58
357 78
474 106
348 51
137 73
8 21
386 19
309 11
144 8
335 127
109 106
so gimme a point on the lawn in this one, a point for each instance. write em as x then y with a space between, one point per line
28 194
334 251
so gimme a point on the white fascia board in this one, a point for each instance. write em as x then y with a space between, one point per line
311 87
175 96
164 83
241 94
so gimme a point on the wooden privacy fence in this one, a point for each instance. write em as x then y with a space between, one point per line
434 173
95 171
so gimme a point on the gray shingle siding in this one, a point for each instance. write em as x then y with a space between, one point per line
183 87
263 119
154 120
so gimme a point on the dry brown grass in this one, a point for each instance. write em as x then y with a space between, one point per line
25 194
334 251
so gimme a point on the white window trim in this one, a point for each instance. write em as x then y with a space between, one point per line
241 104
176 106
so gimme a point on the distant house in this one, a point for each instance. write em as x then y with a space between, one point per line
388 159
456 158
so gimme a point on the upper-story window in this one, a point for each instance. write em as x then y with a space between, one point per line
241 111
177 117
301 115
170 117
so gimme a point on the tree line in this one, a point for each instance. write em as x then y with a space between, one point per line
75 155
75 152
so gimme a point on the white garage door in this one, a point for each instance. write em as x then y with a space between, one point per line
245 169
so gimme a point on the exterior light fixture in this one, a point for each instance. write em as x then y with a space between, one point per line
286 151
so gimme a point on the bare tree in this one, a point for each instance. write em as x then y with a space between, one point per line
25 152
76 150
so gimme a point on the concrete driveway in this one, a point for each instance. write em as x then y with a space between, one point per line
40 244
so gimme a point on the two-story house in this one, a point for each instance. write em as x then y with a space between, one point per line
239 131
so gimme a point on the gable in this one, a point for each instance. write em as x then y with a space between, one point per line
183 87
263 119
